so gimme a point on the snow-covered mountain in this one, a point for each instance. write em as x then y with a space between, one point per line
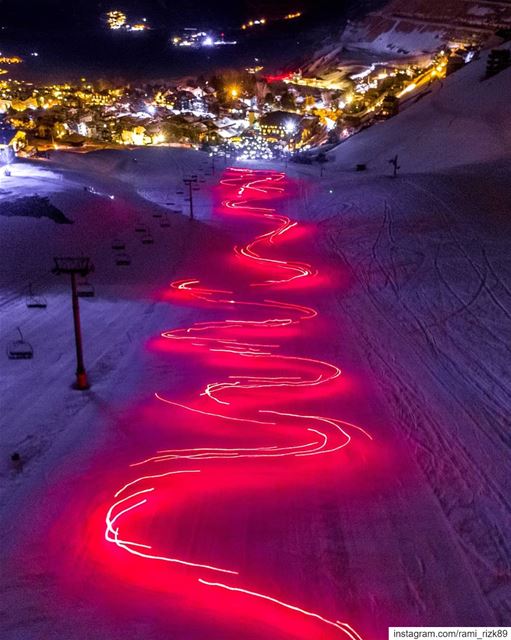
464 119
409 28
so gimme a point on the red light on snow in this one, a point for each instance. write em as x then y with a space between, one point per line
261 377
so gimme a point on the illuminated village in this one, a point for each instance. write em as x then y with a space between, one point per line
247 113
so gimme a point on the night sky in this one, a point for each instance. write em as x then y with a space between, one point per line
71 40
36 14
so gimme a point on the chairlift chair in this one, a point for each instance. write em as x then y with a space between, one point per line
122 260
85 289
147 239
157 214
20 349
140 227
164 222
35 302
179 192
118 245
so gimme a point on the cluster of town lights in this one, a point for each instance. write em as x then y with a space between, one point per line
117 20
259 22
253 23
195 39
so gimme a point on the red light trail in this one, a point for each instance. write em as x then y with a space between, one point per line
240 399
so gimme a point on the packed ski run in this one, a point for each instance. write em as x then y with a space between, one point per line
234 336
366 532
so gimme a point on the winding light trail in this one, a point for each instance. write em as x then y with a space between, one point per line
226 400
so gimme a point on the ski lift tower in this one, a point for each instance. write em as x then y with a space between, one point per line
76 266
191 183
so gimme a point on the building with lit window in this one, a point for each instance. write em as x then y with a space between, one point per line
280 125
116 19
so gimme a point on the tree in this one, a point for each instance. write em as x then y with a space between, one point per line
333 136
287 101
218 84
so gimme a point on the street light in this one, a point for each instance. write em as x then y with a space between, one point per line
73 266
